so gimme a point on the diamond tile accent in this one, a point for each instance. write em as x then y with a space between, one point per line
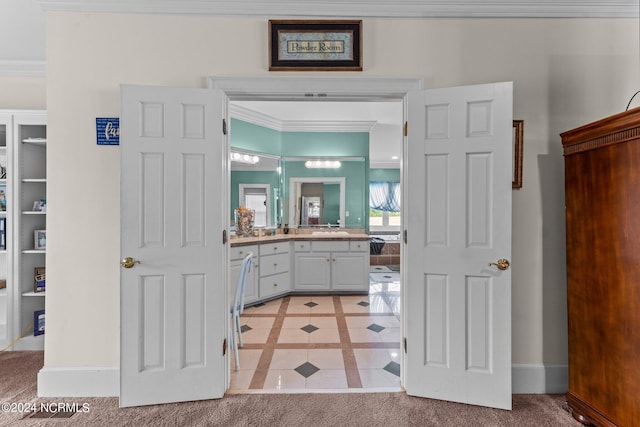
307 369
311 304
245 328
309 328
393 367
364 304
375 328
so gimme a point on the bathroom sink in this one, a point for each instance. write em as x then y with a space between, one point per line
330 233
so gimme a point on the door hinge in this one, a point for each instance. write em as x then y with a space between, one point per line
224 347
405 236
405 345
224 237
224 126
406 128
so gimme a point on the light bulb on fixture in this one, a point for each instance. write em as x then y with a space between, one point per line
329 164
244 158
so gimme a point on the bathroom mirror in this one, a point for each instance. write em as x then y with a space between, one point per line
325 197
256 184
317 202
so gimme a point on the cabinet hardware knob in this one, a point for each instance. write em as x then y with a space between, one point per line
334 260
275 264
502 264
275 285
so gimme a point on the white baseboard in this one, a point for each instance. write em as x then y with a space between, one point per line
105 382
79 382
539 379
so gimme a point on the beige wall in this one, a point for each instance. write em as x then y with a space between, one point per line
22 93
566 72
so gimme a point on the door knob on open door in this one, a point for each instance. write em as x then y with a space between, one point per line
129 262
502 264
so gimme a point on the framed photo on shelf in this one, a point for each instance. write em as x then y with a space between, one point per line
38 322
40 239
39 206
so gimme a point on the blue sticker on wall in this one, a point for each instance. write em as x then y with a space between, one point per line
108 130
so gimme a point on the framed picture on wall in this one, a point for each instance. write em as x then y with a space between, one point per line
315 45
518 134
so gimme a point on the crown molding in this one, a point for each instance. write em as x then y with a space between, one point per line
12 68
360 9
261 119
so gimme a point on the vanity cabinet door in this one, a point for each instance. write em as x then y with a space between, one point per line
251 290
350 271
313 271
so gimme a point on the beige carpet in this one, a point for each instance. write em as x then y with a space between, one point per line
18 372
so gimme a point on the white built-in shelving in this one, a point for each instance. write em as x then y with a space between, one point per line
23 153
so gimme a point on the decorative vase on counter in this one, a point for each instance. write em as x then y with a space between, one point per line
285 229
244 221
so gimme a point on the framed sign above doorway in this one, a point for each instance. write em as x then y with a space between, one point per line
315 45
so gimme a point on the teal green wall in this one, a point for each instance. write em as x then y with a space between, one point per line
329 144
388 175
250 137
332 203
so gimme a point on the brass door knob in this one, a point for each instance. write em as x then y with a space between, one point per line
502 264
129 262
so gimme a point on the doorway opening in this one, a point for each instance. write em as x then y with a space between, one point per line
327 341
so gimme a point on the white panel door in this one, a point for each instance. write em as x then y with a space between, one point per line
173 302
458 218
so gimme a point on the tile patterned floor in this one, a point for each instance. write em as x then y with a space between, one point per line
322 343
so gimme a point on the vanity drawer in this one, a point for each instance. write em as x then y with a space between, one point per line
239 252
330 246
359 246
302 246
274 248
274 264
273 285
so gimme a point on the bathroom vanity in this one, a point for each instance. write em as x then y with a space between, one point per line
329 262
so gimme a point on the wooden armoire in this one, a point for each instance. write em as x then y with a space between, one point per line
602 193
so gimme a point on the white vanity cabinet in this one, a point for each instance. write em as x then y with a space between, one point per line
336 265
236 255
275 264
350 271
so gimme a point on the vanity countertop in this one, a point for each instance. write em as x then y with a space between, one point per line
243 241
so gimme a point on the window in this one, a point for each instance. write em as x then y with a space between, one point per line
384 204
255 196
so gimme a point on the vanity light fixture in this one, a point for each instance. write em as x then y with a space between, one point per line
244 158
327 164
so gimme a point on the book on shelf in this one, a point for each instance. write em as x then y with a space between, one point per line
3 234
39 279
38 322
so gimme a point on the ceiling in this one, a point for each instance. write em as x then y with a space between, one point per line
383 120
